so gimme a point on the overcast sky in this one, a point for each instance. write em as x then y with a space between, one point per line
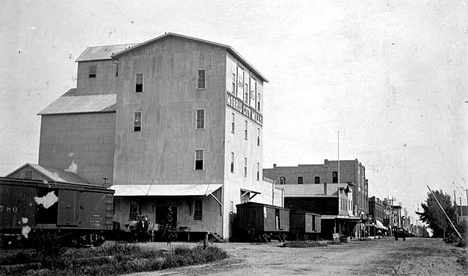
390 76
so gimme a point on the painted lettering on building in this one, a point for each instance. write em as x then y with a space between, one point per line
239 105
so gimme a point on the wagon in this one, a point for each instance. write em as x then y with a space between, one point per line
75 213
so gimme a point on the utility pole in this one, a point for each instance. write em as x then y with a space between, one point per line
454 228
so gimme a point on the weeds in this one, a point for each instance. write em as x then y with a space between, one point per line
303 244
111 260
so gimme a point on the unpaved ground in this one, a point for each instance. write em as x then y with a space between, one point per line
415 256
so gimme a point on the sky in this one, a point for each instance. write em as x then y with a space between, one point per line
391 77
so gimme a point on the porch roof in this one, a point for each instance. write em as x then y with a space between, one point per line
340 217
166 189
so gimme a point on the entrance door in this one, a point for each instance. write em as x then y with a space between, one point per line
166 216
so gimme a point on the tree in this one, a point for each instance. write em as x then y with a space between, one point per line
433 215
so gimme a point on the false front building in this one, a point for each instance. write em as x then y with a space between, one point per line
174 124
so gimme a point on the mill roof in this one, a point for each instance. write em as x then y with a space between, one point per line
102 52
71 103
227 47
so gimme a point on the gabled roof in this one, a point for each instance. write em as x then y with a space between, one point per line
52 174
227 47
102 52
70 103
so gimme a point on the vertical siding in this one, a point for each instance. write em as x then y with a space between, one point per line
105 81
164 150
84 142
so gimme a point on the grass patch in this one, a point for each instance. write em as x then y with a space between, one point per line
303 244
108 260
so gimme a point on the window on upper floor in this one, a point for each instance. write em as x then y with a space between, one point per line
246 131
246 93
240 82
282 180
116 70
317 180
137 121
245 167
198 210
300 180
92 71
139 83
232 162
200 119
258 171
258 102
335 177
233 125
201 82
199 160
258 137
234 83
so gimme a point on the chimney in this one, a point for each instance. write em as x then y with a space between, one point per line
274 166
325 188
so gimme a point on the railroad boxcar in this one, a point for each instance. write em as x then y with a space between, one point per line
305 225
256 221
76 213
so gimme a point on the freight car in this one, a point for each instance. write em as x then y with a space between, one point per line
79 214
256 221
305 225
263 222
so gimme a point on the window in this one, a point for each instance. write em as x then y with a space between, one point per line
246 93
134 206
233 126
258 137
245 167
240 82
199 160
317 180
232 162
200 119
116 70
258 171
139 83
253 92
282 180
300 180
258 102
246 133
201 79
28 174
137 122
92 71
198 210
335 177
234 83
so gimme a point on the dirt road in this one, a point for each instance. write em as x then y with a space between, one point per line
415 256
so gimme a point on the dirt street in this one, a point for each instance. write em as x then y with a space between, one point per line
415 256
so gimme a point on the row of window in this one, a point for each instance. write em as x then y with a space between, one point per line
232 166
240 88
200 124
201 79
246 128
163 212
300 179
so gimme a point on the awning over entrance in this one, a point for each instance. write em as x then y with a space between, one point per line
379 225
251 193
166 190
340 217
